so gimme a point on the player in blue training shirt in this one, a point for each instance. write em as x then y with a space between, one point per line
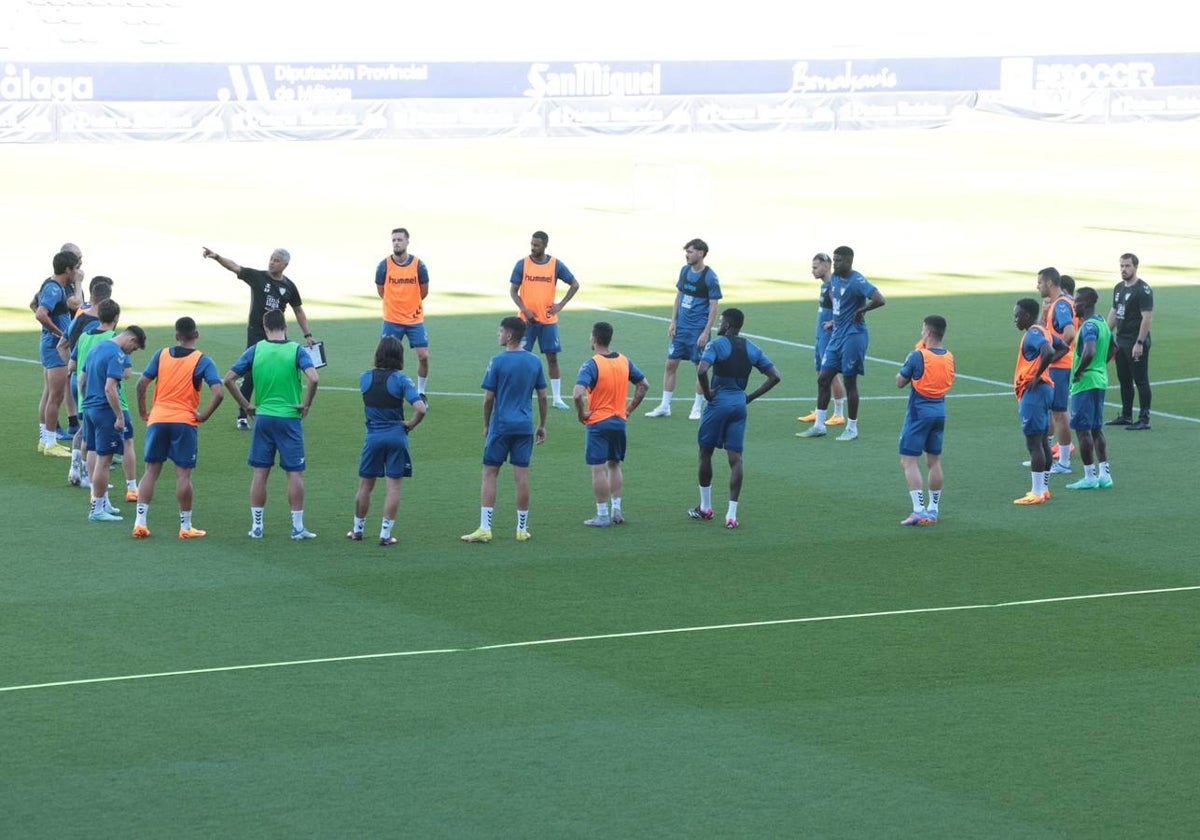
385 451
508 384
695 310
852 296
107 366
723 425
822 268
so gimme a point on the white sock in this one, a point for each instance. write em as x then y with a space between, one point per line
1104 471
385 530
185 520
1064 455
256 517
131 485
421 380
935 498
1089 471
666 400
97 504
698 402
556 389
918 503
839 407
522 520
706 498
602 510
616 504
731 513
819 423
485 518
142 510
1039 483
852 425
297 520
360 522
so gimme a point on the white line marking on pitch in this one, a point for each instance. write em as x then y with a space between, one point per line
602 637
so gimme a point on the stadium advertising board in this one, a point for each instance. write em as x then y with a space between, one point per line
342 82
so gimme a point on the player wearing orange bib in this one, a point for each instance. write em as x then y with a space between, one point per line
599 395
1034 390
532 288
171 425
402 281
930 370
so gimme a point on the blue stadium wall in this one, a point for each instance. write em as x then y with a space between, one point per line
109 101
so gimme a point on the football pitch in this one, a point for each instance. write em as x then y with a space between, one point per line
821 671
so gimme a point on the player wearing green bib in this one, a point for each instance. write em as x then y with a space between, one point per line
1094 348
285 383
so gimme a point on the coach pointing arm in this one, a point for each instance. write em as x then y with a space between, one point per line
225 262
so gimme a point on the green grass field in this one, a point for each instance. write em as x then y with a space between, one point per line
822 672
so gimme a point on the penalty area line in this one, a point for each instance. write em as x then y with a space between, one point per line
602 637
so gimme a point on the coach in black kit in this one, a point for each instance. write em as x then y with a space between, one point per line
269 290
1129 319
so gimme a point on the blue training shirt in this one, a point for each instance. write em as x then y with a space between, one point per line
920 405
848 295
513 376
729 389
105 361
399 386
695 297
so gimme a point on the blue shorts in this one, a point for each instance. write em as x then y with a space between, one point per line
284 435
1087 410
385 454
684 346
546 336
1034 408
1061 400
723 426
922 434
847 356
516 449
179 442
415 332
100 431
48 349
128 433
605 441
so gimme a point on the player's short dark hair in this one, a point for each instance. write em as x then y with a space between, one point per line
1067 284
1132 258
602 331
99 278
937 326
1087 296
1030 307
399 230
844 251
515 326
108 311
100 290
734 317
185 328
138 333
1051 274
541 236
64 260
389 354
273 320
698 244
